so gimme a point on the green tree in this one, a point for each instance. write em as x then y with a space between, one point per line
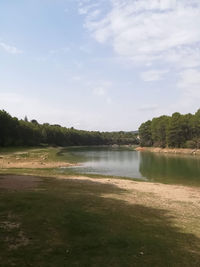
159 128
145 134
177 134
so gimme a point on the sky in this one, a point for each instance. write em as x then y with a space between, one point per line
102 65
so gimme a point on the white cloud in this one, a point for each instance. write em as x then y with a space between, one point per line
153 75
148 108
10 49
99 91
91 9
19 105
63 50
190 83
86 48
188 57
76 78
158 34
11 98
108 100
148 30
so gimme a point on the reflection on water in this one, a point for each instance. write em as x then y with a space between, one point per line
170 168
141 165
112 162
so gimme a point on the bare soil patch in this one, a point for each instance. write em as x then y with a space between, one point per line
32 159
18 182
171 192
31 164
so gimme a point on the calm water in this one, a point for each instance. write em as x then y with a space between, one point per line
141 165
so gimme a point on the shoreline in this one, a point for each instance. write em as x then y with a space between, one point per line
5 164
166 191
185 151
34 159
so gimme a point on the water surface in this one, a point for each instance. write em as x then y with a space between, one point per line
148 166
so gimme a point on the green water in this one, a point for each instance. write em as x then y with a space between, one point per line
173 169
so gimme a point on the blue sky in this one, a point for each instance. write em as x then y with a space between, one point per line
99 64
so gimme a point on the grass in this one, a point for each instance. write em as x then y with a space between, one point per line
69 223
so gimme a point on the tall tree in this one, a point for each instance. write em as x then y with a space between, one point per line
159 128
145 134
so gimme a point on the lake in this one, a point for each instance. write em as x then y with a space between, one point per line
155 167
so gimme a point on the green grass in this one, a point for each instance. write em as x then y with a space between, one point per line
69 223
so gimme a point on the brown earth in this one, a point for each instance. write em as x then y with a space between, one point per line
7 162
31 164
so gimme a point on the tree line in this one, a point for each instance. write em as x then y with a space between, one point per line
15 132
181 131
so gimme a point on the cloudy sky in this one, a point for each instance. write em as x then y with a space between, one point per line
99 64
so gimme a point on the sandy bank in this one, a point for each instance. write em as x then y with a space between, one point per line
161 191
185 151
6 163
181 202
171 192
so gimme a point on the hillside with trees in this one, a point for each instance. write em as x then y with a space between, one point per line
180 131
15 132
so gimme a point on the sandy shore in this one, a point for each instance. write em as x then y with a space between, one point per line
181 202
22 160
170 192
185 151
31 164
161 191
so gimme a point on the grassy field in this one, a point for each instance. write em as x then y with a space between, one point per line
49 222
69 223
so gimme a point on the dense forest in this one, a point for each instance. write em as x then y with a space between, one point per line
15 132
181 131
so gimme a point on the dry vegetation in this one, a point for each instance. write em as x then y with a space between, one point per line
35 158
